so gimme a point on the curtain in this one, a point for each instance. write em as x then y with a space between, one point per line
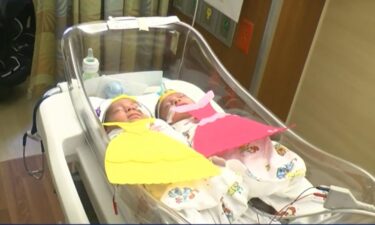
54 16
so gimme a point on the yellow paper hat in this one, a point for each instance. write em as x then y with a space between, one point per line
103 107
122 97
142 156
165 94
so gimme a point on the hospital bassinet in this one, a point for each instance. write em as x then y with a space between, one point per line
146 49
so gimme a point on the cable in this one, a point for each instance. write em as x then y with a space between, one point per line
338 200
186 39
347 211
342 198
38 173
195 13
291 203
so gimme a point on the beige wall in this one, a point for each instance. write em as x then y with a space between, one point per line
334 107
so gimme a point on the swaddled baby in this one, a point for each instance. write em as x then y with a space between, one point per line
145 150
271 171
213 199
229 136
126 109
217 199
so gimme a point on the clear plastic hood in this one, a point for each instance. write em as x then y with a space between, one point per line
142 52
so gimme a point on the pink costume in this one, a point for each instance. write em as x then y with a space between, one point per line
271 171
217 132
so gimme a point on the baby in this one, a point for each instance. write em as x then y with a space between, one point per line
148 149
127 109
226 135
217 199
274 174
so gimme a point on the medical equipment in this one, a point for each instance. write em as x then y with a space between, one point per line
142 54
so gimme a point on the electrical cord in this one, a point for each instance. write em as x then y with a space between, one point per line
38 173
299 197
342 198
195 13
346 211
186 39
337 200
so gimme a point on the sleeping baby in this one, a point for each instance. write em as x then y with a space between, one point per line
146 148
222 198
126 109
273 173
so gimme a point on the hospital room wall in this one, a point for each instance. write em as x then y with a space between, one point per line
334 103
241 65
292 39
293 35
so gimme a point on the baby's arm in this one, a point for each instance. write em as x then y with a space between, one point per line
162 126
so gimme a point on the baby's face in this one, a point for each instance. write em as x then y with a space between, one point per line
124 110
175 99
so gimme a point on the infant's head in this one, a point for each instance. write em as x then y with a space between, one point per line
120 109
124 109
169 99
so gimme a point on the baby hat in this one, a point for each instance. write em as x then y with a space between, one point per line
104 105
163 95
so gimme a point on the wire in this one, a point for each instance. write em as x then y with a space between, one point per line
143 106
291 203
342 198
328 211
323 188
37 174
195 13
352 211
186 39
280 212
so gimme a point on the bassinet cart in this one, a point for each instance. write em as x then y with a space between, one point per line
143 53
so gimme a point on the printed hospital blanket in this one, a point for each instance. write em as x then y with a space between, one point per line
223 196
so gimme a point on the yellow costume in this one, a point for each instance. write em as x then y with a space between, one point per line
139 155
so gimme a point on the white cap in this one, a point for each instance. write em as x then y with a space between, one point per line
90 64
101 106
102 109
